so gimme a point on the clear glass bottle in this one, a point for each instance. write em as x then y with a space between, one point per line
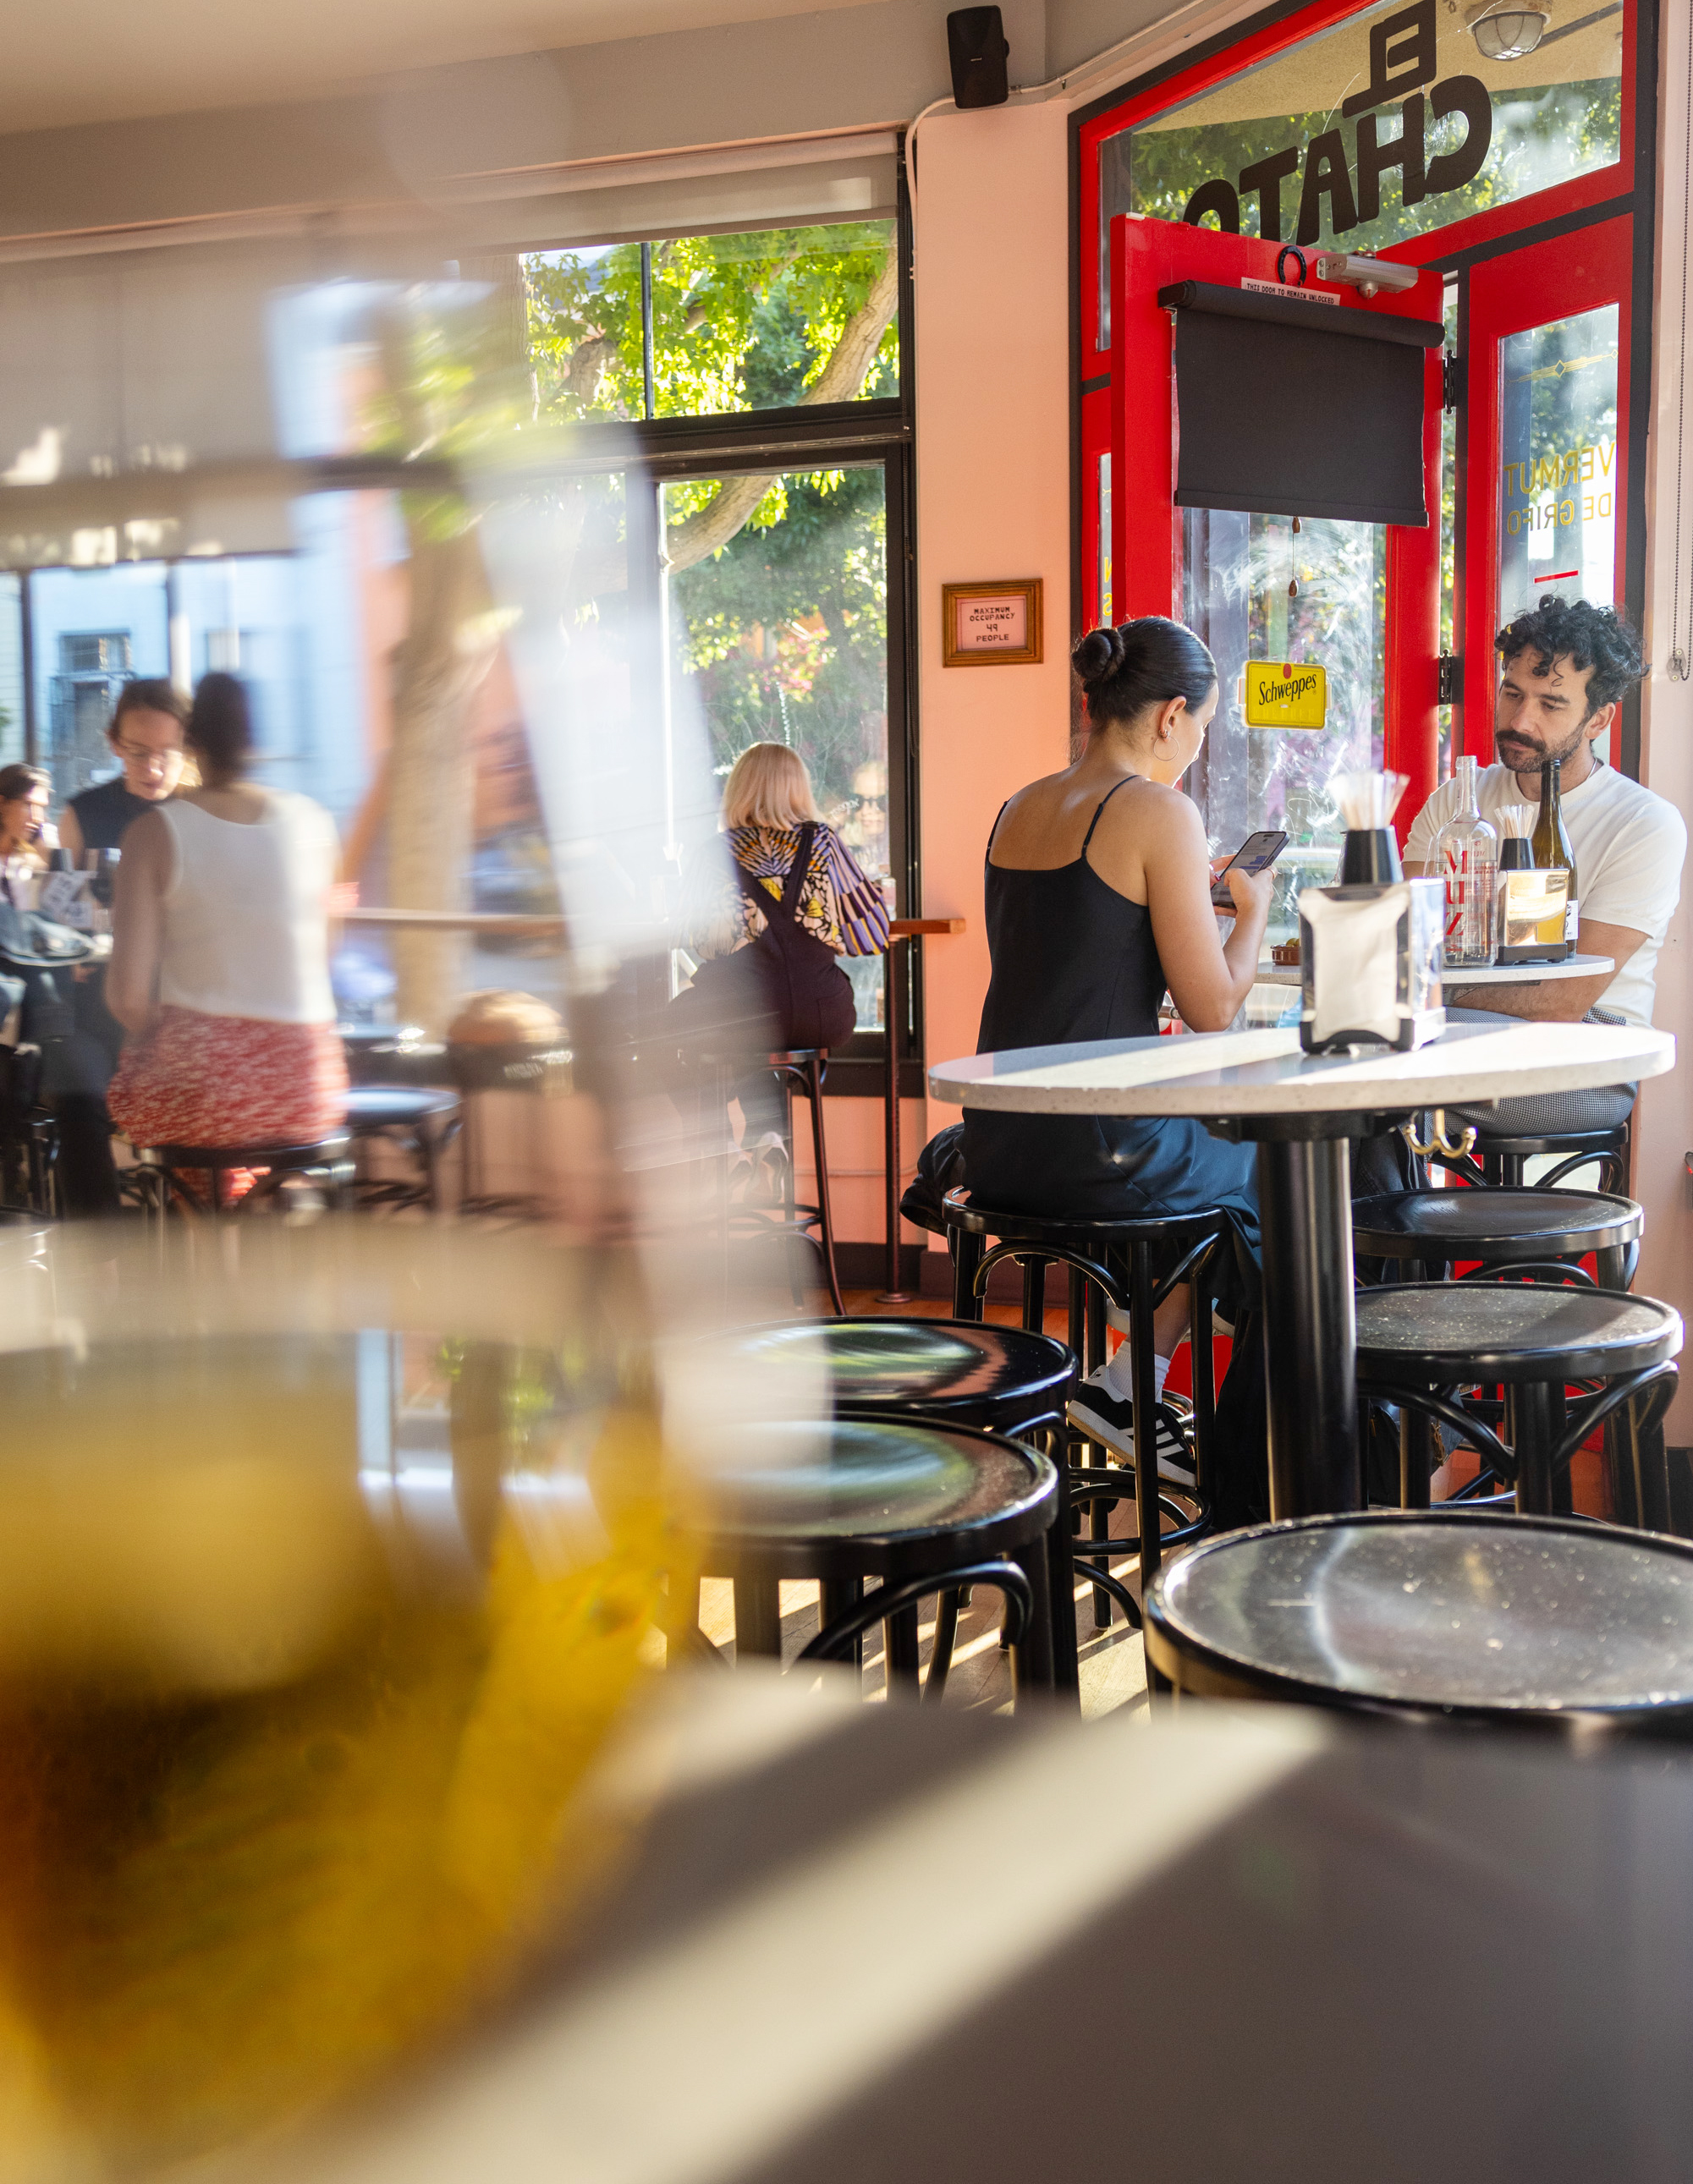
1466 857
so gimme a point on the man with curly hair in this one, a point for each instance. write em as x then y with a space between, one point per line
1565 667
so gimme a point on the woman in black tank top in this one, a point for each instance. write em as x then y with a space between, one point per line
1075 955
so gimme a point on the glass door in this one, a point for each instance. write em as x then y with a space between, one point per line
1269 592
1547 382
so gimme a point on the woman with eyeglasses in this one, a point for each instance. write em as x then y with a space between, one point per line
146 734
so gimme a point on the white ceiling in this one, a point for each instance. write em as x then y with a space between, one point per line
102 60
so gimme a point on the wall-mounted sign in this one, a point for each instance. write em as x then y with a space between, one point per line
992 624
1282 693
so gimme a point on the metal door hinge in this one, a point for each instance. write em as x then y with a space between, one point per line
1451 680
1451 380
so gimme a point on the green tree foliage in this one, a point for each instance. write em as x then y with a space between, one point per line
784 624
1540 136
786 631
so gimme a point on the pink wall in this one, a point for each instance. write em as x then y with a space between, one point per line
992 501
1664 1129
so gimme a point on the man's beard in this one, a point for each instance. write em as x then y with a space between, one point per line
1538 757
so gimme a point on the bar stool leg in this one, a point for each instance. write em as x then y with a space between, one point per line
1203 1360
814 1084
757 1618
1061 1593
1099 1512
1032 1662
1035 1293
899 1642
839 1597
1536 1428
946 1637
967 1250
1416 1451
1141 1355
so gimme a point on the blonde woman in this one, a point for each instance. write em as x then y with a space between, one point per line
768 933
792 905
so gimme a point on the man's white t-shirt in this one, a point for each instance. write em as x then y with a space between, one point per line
1629 845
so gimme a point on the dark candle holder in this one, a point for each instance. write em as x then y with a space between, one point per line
1370 857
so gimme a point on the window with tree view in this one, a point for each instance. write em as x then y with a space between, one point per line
776 581
700 325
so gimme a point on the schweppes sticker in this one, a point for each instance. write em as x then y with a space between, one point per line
1285 693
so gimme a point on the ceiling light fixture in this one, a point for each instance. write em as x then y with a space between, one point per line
1504 31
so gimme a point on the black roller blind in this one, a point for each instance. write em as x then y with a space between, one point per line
1298 409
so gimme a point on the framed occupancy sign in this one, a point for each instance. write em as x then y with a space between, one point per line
996 624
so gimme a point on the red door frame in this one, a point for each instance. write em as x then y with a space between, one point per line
1528 287
1146 544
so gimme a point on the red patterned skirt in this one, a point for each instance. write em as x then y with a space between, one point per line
201 1080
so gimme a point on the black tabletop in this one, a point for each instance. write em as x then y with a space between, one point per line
1463 1612
865 1943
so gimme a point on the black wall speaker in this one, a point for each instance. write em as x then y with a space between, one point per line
975 44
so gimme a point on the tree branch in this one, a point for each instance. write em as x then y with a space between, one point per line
709 529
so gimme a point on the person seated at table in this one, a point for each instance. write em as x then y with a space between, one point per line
68 1046
26 794
145 733
220 965
1565 667
769 928
1098 887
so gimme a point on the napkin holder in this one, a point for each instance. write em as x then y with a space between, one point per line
1370 960
1534 908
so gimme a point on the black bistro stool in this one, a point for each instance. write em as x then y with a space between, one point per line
996 1380
423 1119
1419 1342
1502 1160
1550 1623
1428 1231
922 1507
1109 1262
801 1069
324 1163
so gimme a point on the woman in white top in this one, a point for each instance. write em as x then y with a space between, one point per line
220 968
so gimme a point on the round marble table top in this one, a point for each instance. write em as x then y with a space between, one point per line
1460 980
1265 1072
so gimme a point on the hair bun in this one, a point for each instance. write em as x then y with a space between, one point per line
1097 656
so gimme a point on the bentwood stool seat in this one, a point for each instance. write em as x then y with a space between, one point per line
423 1119
324 1162
996 1380
923 1507
1109 1262
800 1069
1431 1230
1574 1629
359 1040
1419 1342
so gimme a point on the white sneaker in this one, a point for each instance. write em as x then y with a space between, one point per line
1097 1410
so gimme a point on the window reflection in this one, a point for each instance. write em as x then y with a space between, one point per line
1558 484
1237 570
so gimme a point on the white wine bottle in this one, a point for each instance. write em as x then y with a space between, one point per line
1552 851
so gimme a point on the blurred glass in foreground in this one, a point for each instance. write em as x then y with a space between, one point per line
328 1558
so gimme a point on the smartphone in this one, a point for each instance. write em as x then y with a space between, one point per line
1254 853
